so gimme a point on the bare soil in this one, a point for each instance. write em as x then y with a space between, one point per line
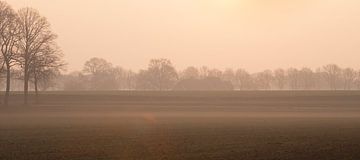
182 125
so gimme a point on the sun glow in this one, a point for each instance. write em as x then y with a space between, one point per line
226 3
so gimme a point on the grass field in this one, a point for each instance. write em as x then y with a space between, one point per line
182 125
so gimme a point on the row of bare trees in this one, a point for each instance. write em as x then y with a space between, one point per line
328 77
98 74
27 45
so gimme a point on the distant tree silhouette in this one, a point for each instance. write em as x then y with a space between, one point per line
121 76
332 74
130 80
215 73
280 78
229 75
101 74
160 75
74 81
357 80
97 66
349 76
243 80
306 79
190 73
263 80
143 81
204 72
293 78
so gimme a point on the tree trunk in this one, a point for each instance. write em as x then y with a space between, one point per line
26 84
7 93
36 87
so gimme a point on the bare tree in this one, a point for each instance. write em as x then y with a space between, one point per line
242 79
1 73
263 79
349 76
332 75
190 73
130 80
101 74
144 82
74 81
320 81
280 78
229 76
163 73
47 79
120 76
204 72
160 75
46 65
293 78
215 73
9 37
96 66
306 79
35 33
124 78
357 80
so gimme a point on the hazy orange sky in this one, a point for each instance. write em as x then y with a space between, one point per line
251 34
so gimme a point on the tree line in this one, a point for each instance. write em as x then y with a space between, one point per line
160 75
99 74
28 49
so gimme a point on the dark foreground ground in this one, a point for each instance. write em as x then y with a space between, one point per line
182 125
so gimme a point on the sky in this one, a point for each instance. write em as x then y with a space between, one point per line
250 34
